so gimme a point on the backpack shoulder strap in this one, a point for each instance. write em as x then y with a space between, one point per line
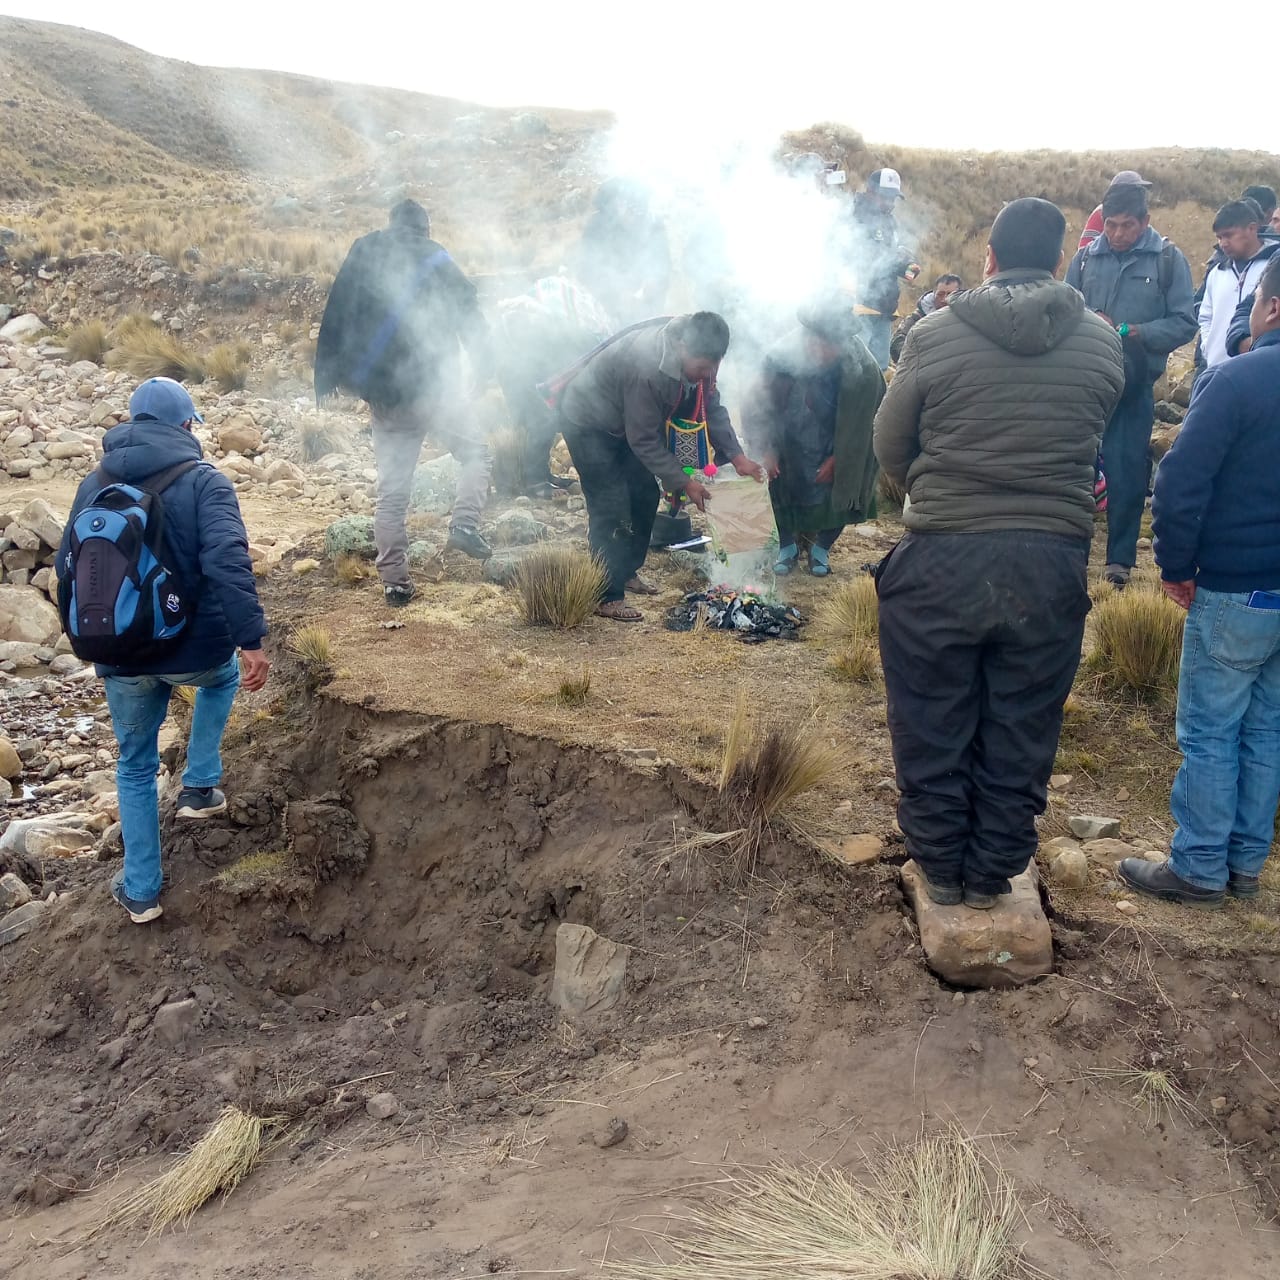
1164 272
161 480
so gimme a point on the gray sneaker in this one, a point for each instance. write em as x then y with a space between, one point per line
139 912
201 802
469 542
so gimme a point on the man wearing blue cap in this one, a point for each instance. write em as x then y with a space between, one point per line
207 550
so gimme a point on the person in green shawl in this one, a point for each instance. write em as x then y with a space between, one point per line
811 411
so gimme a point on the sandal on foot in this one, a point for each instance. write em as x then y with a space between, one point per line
639 587
619 611
819 565
787 557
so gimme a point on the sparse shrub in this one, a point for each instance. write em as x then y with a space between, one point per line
574 690
857 662
88 341
228 366
321 434
558 586
252 873
312 645
350 569
851 611
1138 642
144 350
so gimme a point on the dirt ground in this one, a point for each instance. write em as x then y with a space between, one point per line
455 813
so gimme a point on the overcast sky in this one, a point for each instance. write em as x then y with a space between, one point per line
930 73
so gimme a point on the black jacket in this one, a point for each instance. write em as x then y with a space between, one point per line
866 244
205 540
395 314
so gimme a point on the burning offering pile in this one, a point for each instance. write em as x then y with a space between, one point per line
745 612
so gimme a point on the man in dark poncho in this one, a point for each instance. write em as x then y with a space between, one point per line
390 335
812 412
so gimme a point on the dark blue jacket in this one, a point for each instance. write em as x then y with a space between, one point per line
207 546
1126 287
1216 510
1239 330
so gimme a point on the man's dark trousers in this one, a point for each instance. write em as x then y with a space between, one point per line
622 501
980 639
1126 444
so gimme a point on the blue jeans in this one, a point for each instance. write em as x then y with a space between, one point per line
1126 444
1225 795
877 333
138 707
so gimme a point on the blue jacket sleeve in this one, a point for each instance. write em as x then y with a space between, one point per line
1239 329
1179 323
224 558
1074 274
1184 483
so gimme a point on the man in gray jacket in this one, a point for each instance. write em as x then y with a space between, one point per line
1140 284
991 425
615 405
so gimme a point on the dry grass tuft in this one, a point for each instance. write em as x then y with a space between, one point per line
930 1210
1155 1093
219 1162
762 773
851 612
558 586
1138 642
252 872
144 350
312 645
228 365
858 662
350 569
321 435
88 341
574 690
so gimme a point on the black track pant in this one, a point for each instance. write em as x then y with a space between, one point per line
980 639
622 501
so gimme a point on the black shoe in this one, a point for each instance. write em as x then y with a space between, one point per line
542 492
561 482
980 901
945 895
469 542
1157 881
1240 886
1118 575
398 596
201 802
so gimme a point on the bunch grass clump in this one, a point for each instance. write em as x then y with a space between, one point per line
350 569
88 341
857 662
934 1209
851 612
1138 642
575 690
144 350
219 1162
558 586
312 645
763 772
228 365
321 435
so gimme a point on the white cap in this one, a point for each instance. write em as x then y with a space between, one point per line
886 182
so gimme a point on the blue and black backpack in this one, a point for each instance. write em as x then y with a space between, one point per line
120 603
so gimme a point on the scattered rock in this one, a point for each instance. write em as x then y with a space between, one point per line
590 970
382 1106
112 1053
1006 946
10 761
502 567
13 892
240 436
351 535
301 567
39 518
20 327
611 1133
175 1021
854 851
53 835
1060 781
1070 869
26 616
1127 908
516 528
1108 851
757 1023
1088 827
65 664
435 486
20 921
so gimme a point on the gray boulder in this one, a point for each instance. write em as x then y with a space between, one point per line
351 535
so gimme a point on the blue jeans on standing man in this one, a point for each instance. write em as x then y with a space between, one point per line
138 707
1228 786
877 334
1126 447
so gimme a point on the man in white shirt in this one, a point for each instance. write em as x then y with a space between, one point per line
1244 258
